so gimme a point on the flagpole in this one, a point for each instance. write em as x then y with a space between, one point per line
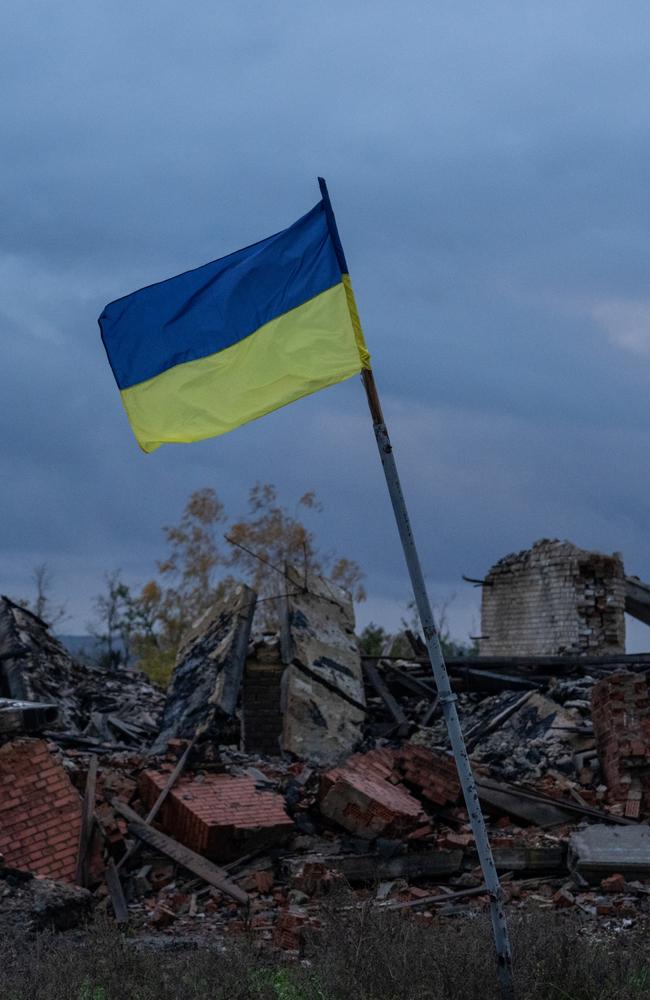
447 698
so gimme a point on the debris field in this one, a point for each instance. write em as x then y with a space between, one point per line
279 765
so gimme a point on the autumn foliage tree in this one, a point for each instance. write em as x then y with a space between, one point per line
206 556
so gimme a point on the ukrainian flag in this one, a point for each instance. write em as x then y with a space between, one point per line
211 349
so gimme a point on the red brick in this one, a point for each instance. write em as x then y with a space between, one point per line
220 816
42 812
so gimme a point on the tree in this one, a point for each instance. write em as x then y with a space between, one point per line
373 639
43 606
195 572
271 536
117 620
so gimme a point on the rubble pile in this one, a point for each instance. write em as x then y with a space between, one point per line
278 767
81 701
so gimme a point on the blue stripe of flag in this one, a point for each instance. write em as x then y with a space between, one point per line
212 307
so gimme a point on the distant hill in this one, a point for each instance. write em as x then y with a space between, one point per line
83 647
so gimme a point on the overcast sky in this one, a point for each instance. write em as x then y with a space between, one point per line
488 165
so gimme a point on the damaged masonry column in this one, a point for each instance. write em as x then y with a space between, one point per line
323 694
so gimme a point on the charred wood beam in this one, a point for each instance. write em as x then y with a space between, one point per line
87 824
637 599
391 704
116 893
547 664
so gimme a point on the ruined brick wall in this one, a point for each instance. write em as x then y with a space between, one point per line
621 716
40 811
218 815
261 698
554 599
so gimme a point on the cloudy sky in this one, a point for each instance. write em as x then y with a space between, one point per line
488 165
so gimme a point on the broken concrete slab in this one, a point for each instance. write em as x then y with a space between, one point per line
601 850
207 678
323 689
372 868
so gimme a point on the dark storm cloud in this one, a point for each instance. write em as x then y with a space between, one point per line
488 165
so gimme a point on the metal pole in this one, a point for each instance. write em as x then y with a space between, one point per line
446 696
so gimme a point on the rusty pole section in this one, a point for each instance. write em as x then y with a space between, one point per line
446 696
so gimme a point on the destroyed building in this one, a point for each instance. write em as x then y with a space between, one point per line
553 599
278 765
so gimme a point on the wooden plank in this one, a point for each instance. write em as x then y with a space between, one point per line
418 687
440 900
391 704
428 715
87 824
481 729
169 784
545 664
194 863
519 801
112 879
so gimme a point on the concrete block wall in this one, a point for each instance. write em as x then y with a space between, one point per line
554 599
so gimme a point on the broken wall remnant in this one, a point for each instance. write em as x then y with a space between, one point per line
323 700
621 718
554 599
261 697
206 681
40 811
219 815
